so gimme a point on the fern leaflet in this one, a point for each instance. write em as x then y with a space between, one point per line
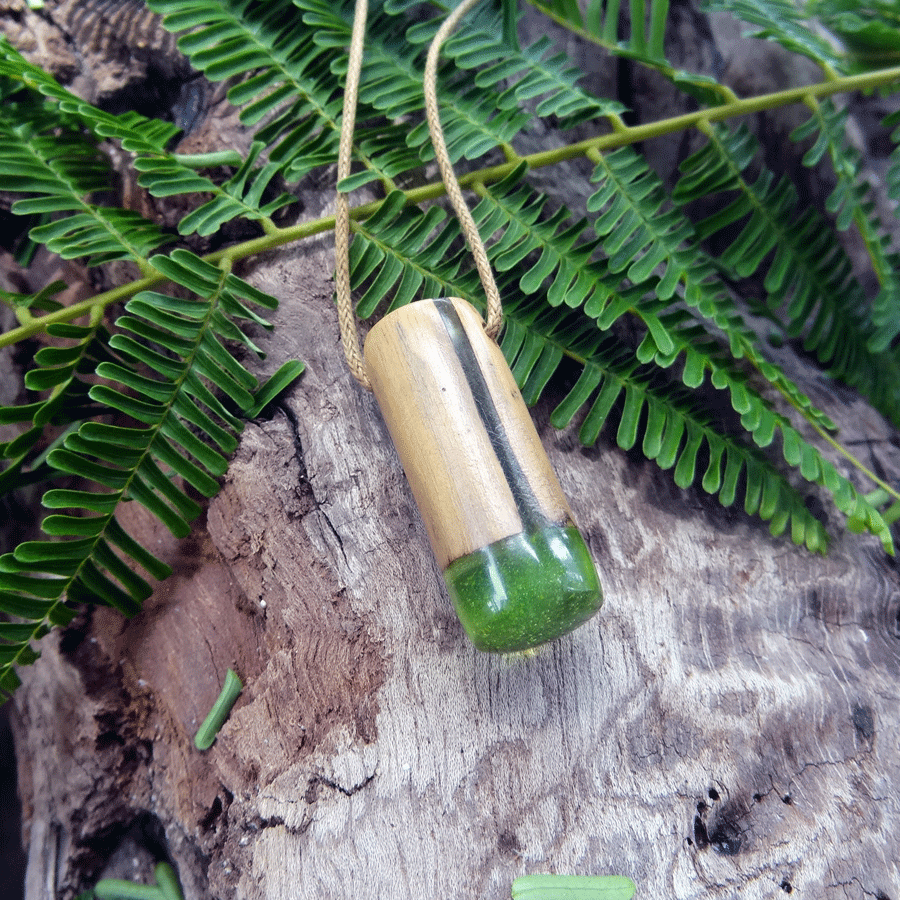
807 273
166 371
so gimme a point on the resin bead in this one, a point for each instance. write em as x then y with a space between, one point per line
524 590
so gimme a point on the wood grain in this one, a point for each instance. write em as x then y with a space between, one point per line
726 727
478 475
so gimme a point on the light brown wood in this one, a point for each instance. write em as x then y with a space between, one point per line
424 393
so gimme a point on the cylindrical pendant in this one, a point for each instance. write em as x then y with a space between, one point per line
517 568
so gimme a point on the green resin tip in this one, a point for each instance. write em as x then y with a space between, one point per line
525 590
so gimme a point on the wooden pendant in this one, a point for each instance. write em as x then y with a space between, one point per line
516 566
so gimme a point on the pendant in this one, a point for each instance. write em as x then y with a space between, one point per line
515 564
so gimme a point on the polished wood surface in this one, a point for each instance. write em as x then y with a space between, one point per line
465 438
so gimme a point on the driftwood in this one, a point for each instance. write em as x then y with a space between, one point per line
728 726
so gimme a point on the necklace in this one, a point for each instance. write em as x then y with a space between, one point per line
516 567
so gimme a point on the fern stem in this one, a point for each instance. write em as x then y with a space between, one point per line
857 463
623 135
633 134
38 324
510 153
95 305
617 123
619 137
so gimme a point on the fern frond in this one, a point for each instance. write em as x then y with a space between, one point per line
851 203
289 85
473 121
167 369
638 234
530 73
807 273
666 423
61 170
284 76
548 252
71 111
473 125
241 195
786 23
401 252
408 252
163 174
63 372
661 253
870 31
599 24
689 339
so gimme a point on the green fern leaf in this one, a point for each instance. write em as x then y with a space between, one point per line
808 275
473 125
638 235
646 43
634 213
157 371
871 32
165 175
138 134
547 251
785 22
60 171
671 431
392 85
852 203
534 75
284 77
63 371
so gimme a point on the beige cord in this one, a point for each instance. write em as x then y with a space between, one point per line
346 316
470 230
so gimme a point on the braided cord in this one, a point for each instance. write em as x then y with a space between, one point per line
454 192
346 315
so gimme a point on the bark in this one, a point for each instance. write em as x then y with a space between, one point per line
727 726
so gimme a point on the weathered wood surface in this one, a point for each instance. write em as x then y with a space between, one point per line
728 726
